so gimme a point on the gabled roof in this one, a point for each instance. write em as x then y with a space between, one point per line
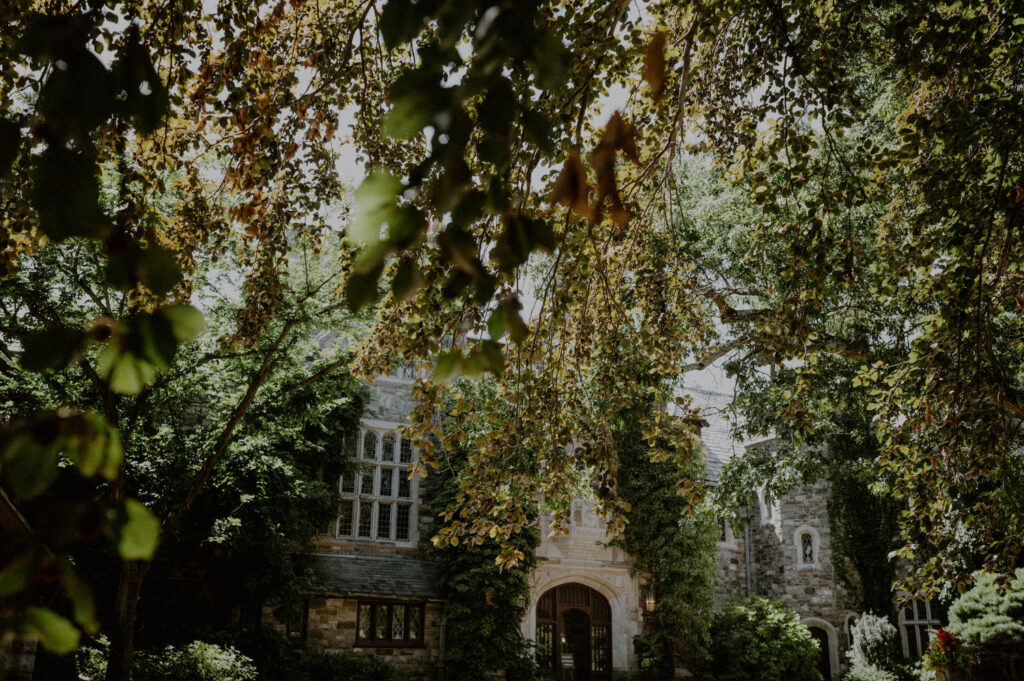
717 436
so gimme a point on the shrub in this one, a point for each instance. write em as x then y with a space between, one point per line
860 671
875 642
197 661
760 639
344 666
991 616
91 659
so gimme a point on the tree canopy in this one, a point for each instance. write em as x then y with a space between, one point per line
867 155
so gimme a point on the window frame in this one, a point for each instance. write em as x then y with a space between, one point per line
419 607
798 547
932 621
356 503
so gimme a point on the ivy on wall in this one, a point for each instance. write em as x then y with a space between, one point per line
674 547
485 601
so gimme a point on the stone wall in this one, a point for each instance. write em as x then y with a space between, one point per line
730 569
332 627
780 573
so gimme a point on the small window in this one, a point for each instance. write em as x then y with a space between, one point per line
405 451
722 534
389 624
388 448
807 548
295 627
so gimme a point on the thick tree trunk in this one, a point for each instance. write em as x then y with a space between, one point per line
122 631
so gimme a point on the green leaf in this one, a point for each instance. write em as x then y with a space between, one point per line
361 289
375 205
56 633
16 574
399 23
186 322
65 194
52 349
130 374
407 118
81 598
496 323
33 467
140 533
158 269
447 366
408 279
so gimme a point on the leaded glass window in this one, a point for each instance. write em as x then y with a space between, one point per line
392 624
368 509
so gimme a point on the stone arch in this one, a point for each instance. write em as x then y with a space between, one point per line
833 642
622 638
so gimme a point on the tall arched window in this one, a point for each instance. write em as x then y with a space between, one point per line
574 631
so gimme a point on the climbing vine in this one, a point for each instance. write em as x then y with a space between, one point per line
673 543
485 603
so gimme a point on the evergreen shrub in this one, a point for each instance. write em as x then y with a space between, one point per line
875 642
991 616
760 639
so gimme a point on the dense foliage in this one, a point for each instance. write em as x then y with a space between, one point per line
761 639
484 604
876 145
991 615
674 550
195 661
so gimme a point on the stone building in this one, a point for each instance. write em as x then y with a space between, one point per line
379 593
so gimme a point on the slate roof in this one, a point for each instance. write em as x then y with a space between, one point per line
717 436
392 576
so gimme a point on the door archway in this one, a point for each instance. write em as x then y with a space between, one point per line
574 627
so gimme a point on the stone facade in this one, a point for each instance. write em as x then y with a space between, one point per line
766 557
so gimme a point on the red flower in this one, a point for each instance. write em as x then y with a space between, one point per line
945 638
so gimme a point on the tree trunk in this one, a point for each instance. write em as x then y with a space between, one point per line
122 631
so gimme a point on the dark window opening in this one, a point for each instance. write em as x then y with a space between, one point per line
389 624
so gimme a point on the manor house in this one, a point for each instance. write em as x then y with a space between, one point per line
380 594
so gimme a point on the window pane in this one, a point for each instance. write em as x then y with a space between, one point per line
365 519
403 485
808 547
397 622
366 486
545 644
383 521
346 518
402 523
415 622
381 623
370 445
387 480
405 451
388 450
348 483
363 621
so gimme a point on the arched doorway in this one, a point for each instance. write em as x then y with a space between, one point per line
574 630
824 654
